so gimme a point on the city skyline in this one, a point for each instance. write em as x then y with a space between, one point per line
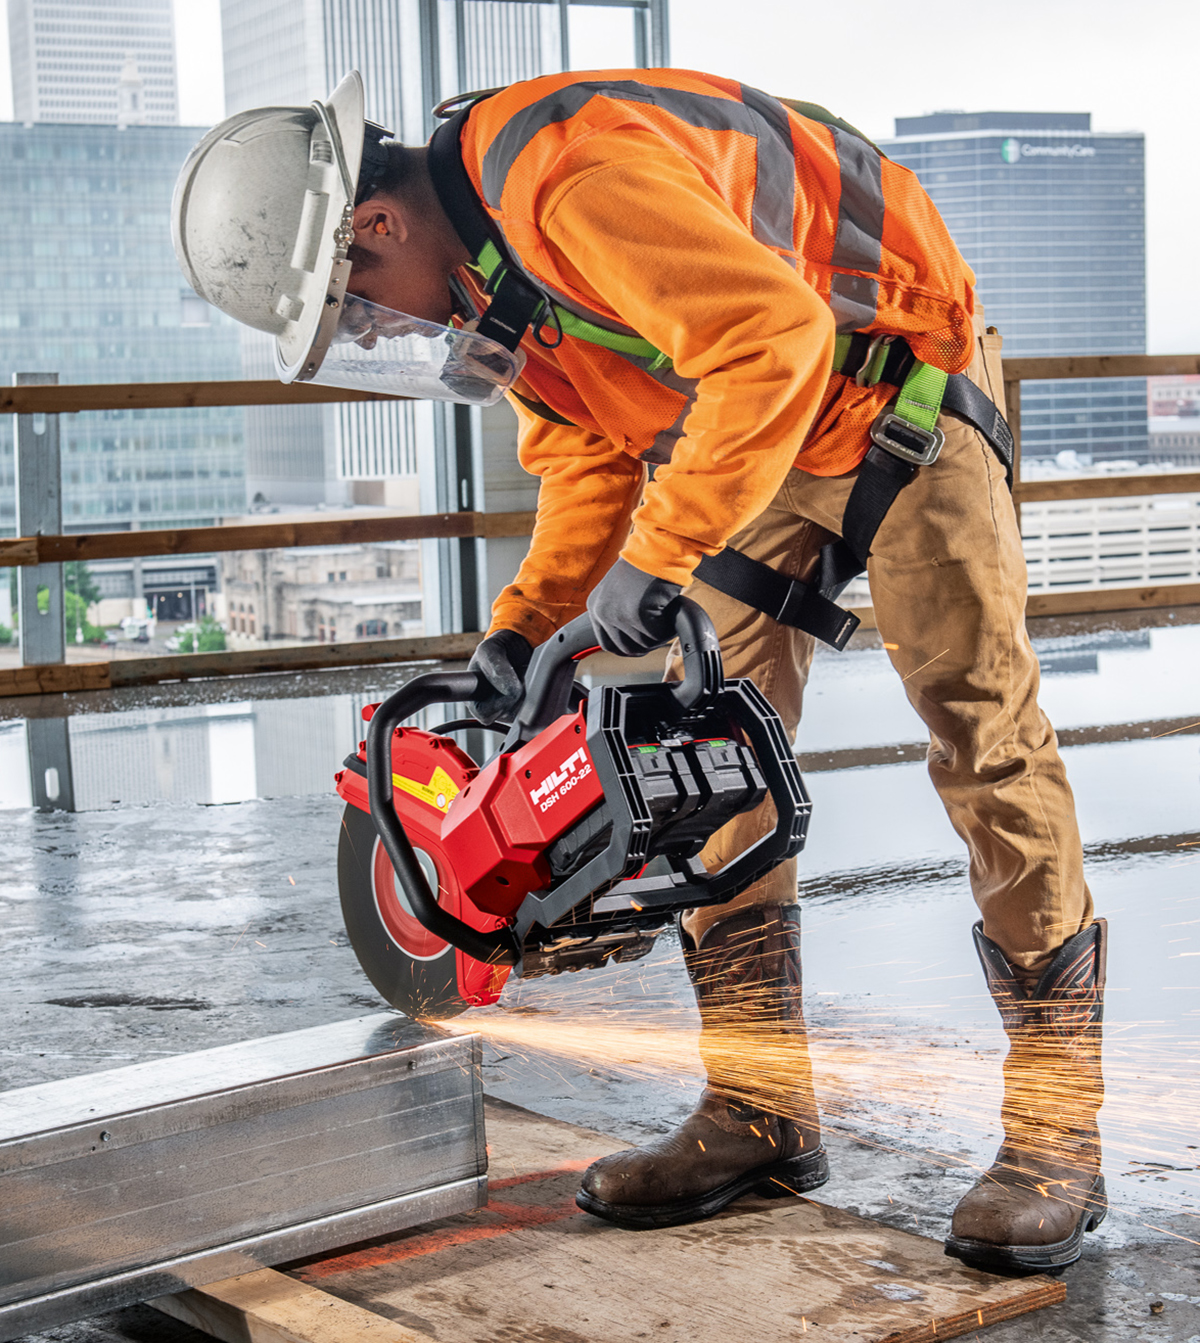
96 62
1068 56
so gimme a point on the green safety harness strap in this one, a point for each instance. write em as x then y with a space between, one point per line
490 265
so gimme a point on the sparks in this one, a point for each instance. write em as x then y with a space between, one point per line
1187 727
923 665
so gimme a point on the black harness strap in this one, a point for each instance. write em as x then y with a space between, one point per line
972 404
542 410
881 476
802 605
516 304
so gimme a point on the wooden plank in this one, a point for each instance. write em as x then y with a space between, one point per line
71 398
1101 366
24 550
1092 601
532 1266
269 1307
860 757
58 679
1107 487
74 397
55 679
302 657
188 666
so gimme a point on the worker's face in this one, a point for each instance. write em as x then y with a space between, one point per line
397 263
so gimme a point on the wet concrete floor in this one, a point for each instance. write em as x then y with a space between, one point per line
186 921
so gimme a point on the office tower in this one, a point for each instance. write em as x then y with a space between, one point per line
1051 216
93 293
100 62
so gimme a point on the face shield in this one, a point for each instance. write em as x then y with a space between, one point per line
374 349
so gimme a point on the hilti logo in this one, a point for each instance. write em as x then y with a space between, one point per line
575 767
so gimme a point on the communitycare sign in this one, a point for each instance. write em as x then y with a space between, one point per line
1013 150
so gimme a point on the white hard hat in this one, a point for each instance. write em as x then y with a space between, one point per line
262 220
261 216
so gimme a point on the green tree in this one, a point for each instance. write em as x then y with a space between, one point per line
77 577
80 590
209 638
75 611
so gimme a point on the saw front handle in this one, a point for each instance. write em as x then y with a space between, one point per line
496 948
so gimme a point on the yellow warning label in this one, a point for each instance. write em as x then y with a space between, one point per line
439 792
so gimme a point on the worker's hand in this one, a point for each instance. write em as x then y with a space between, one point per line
632 612
502 659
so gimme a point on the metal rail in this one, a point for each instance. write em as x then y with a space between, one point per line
26 551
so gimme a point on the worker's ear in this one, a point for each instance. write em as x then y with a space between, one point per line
379 224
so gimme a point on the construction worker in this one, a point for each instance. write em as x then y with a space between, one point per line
672 271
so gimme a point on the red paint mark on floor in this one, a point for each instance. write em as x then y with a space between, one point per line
498 1218
567 1168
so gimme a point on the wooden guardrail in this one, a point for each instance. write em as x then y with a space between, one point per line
71 398
24 550
75 398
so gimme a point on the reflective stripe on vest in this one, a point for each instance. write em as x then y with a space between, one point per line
858 244
772 214
757 115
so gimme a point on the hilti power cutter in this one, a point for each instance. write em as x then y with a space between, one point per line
572 846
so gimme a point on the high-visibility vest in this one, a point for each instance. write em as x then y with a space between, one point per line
858 228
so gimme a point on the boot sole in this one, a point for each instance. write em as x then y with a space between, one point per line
780 1179
1023 1259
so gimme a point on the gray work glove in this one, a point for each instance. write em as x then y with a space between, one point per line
632 612
502 659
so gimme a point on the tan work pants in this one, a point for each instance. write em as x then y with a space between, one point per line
947 576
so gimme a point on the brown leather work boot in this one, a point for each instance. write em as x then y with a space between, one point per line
756 1127
1029 1212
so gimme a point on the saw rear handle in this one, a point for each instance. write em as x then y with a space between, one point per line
551 672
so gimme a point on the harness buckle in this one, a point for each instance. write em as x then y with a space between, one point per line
867 376
905 440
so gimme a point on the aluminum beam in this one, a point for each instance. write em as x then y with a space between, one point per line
51 778
39 513
140 1182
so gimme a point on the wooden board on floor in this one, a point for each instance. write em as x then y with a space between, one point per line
269 1307
530 1266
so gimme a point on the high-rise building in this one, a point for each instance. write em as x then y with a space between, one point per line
94 294
105 62
1051 216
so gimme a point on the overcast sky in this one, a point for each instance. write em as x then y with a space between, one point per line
1134 66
